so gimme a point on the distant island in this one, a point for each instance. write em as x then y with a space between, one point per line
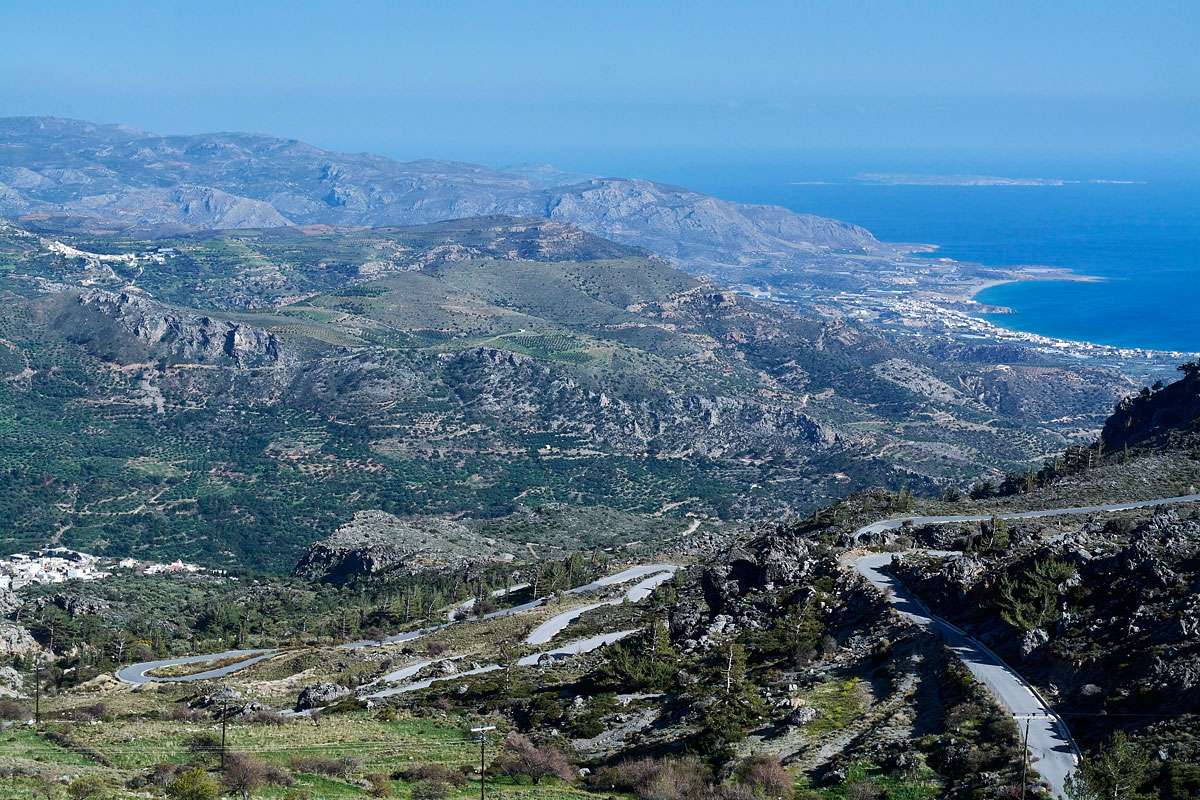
906 179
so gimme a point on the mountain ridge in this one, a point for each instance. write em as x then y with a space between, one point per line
87 176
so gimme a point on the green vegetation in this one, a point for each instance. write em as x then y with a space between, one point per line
1031 598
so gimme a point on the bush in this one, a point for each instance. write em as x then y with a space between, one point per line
161 775
439 773
379 785
182 712
266 716
204 747
653 779
194 784
767 777
430 790
863 790
12 710
92 713
243 774
322 765
86 787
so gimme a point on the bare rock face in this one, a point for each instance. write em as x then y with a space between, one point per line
9 602
15 640
377 543
183 335
737 589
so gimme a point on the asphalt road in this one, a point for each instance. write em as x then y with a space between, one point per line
897 522
651 574
136 673
1053 751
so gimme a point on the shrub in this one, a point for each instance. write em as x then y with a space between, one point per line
194 784
92 713
86 787
430 790
439 773
243 774
204 747
379 785
12 710
322 765
652 779
266 716
182 712
767 777
161 775
863 790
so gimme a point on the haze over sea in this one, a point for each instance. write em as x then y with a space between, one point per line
1142 238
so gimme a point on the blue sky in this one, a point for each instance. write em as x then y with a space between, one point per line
591 84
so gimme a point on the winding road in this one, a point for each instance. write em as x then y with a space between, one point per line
650 575
1054 752
899 522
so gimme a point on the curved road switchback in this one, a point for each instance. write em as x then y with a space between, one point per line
650 575
1053 751
1055 754
137 673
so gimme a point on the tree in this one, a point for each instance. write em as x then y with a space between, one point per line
520 756
1117 772
735 705
243 774
1030 599
194 784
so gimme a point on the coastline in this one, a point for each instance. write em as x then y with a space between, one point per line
1031 275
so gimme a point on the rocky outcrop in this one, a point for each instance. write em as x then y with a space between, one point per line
1170 414
533 395
15 640
319 695
376 543
176 334
739 589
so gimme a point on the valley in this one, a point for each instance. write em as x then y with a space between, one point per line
687 499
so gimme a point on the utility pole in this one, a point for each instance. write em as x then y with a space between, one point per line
37 691
482 731
224 717
1025 749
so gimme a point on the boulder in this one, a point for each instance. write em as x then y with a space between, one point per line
320 694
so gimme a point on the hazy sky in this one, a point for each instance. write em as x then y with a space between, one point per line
594 83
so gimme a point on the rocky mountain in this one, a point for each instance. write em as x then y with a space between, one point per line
233 383
1159 415
112 178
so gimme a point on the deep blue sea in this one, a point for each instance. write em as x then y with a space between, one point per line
1142 238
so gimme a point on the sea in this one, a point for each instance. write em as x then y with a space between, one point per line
1135 226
